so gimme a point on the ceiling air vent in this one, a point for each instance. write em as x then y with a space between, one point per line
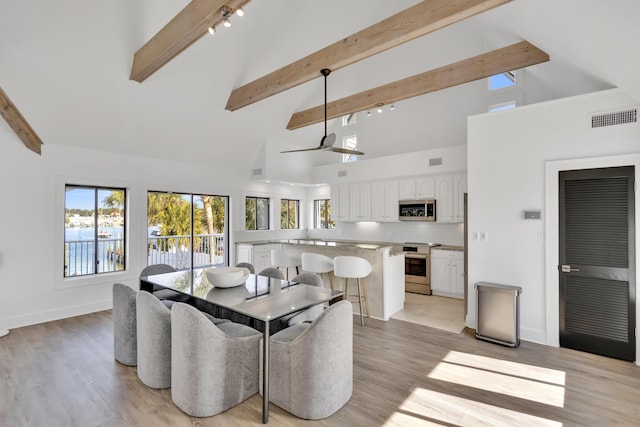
342 173
614 118
437 161
257 172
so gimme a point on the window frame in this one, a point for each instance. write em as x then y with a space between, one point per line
330 224
120 252
350 158
255 219
288 208
191 198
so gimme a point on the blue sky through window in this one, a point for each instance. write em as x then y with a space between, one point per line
502 80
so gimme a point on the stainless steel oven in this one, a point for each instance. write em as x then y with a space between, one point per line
417 267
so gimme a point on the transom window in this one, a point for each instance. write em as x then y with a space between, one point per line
349 119
503 106
322 214
350 143
502 80
289 214
94 230
256 213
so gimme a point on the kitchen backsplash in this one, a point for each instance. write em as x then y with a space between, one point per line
450 234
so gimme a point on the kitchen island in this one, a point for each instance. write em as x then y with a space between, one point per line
385 284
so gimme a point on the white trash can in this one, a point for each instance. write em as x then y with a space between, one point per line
498 313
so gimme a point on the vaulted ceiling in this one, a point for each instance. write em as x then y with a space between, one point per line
66 65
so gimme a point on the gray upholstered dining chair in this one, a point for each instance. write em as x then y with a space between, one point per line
311 313
156 269
312 364
213 367
125 338
248 266
154 341
272 272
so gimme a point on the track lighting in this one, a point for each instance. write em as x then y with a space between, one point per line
393 107
226 22
240 11
212 30
368 113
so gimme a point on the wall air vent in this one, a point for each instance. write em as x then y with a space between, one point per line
614 118
342 173
257 172
435 161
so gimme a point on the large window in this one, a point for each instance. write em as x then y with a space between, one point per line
94 230
187 230
289 210
257 213
322 214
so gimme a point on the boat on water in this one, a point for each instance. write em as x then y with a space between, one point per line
102 234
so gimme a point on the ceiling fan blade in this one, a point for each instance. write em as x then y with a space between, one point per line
303 149
346 151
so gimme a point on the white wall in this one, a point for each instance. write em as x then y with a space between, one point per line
454 159
32 222
507 156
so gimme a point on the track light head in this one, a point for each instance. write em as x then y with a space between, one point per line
240 11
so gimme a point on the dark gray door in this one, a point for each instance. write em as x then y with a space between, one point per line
597 261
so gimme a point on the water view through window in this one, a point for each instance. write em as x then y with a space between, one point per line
94 230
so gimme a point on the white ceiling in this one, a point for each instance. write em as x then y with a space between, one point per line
66 65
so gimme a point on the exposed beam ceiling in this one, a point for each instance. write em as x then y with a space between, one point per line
508 58
423 18
19 124
185 28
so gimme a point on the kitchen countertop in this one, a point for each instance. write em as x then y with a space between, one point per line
450 248
325 242
345 243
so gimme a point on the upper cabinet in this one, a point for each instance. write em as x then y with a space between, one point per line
418 188
378 201
450 191
384 201
359 202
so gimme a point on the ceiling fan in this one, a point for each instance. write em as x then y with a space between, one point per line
327 141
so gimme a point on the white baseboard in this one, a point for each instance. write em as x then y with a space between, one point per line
57 314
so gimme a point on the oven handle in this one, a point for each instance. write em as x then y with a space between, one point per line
414 255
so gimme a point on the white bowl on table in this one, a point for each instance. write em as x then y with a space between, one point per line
227 277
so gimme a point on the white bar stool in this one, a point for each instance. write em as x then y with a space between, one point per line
285 260
319 264
351 267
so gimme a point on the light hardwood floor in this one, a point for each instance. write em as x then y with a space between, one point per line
63 374
433 311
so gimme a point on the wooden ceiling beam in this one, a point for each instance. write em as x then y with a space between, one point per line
423 18
19 124
181 32
509 58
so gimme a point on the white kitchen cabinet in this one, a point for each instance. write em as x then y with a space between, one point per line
340 202
257 254
450 191
359 202
415 189
447 273
384 201
244 252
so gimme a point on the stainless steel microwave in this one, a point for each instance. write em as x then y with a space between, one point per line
417 210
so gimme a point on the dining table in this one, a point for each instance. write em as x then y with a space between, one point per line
260 302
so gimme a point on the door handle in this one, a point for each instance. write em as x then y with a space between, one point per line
567 269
